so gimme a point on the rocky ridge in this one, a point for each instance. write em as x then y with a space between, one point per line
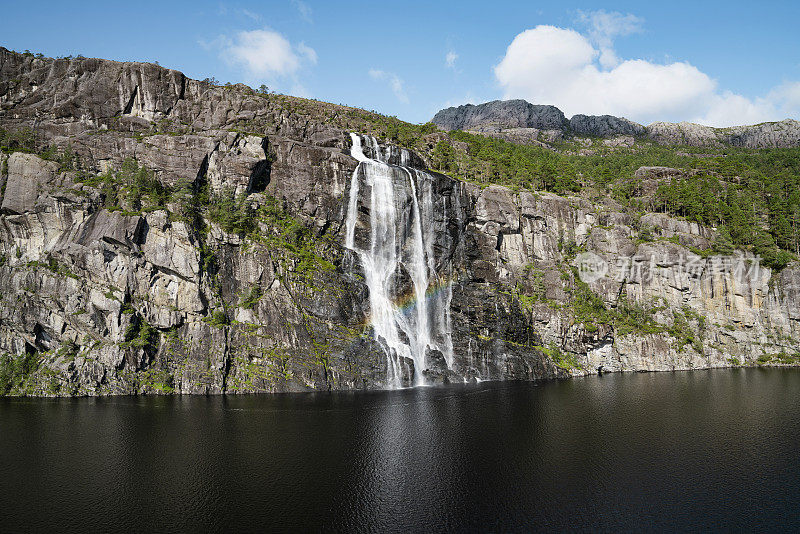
97 301
513 115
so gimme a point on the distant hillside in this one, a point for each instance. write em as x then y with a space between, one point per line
502 115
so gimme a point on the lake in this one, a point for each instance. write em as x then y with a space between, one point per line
691 450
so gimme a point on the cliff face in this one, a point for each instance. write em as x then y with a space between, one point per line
108 300
510 116
782 134
501 115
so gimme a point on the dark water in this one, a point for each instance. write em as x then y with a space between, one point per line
700 450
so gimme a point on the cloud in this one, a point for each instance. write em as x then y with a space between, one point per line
786 97
468 98
722 107
604 26
394 82
307 52
264 54
249 14
450 60
300 90
582 74
304 9
222 10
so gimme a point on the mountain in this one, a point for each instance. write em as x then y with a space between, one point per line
500 115
160 234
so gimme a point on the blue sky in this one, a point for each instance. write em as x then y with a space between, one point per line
719 63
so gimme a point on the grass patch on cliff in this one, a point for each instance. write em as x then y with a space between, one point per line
269 223
563 360
780 358
57 267
284 232
587 307
251 298
217 319
301 248
636 318
687 327
131 189
234 214
157 381
140 334
15 370
19 140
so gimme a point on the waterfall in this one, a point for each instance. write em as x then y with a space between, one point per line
410 321
352 206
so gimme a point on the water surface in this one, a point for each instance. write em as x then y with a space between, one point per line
697 450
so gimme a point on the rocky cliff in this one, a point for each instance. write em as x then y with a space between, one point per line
160 234
513 115
501 115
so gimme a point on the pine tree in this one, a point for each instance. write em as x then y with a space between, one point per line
723 243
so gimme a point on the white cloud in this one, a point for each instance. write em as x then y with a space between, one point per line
304 9
300 90
604 26
222 10
787 98
306 51
722 107
450 60
394 82
250 15
265 54
550 65
468 98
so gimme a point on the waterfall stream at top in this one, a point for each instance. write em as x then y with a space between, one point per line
411 322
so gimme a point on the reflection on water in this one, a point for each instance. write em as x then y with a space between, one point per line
707 449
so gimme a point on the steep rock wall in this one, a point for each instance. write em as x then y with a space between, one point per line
111 302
